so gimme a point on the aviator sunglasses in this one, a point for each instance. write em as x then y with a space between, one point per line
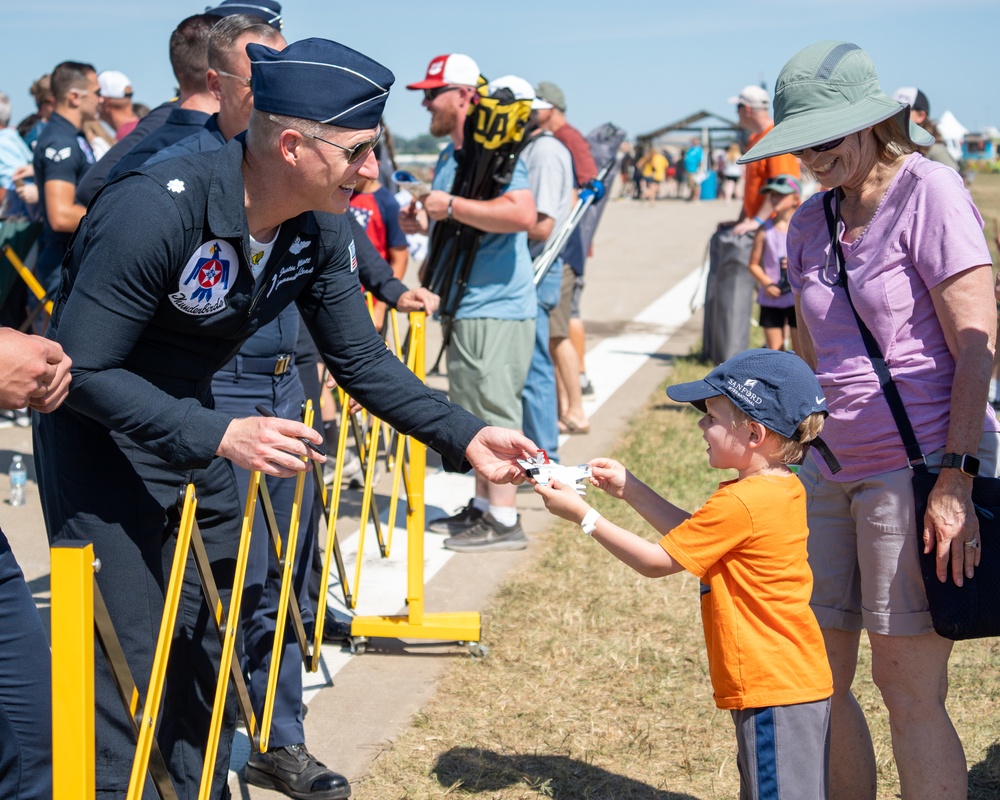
354 154
820 148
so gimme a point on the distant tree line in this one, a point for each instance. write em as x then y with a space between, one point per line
422 144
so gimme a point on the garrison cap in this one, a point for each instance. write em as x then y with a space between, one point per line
319 80
267 10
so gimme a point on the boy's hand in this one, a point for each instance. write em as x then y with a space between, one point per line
562 500
609 476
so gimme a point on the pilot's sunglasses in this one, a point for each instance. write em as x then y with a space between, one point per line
820 148
354 154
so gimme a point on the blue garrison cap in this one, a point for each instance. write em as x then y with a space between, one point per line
319 80
267 10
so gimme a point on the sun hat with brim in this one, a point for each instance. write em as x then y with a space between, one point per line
826 91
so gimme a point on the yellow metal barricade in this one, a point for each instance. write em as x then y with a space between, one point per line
416 624
72 577
28 278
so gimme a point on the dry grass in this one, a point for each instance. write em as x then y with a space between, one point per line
596 685
986 192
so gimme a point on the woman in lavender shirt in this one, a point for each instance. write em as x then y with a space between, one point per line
919 273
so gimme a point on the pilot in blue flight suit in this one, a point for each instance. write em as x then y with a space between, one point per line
264 373
159 295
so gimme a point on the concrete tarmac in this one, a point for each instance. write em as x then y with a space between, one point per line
640 253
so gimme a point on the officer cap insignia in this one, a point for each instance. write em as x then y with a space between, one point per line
319 80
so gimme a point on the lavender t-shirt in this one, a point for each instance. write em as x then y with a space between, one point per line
926 230
774 251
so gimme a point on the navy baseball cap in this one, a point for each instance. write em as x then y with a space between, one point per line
772 387
267 10
319 80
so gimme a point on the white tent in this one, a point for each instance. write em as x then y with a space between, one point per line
953 132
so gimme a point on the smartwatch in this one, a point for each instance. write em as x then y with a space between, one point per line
963 461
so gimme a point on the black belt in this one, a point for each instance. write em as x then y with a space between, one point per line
272 365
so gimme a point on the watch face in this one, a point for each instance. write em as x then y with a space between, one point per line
964 462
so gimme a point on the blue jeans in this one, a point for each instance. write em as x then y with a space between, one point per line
539 403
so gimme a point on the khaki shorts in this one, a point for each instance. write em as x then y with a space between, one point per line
864 551
559 316
488 362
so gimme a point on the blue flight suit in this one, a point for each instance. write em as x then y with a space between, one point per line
25 689
179 124
159 296
262 374
61 154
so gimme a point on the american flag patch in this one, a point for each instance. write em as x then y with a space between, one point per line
354 257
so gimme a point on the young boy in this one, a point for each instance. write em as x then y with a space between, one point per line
747 545
768 265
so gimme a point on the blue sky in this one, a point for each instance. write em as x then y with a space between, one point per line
639 65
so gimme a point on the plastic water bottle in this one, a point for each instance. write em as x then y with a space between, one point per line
18 478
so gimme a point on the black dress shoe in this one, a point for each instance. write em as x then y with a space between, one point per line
296 772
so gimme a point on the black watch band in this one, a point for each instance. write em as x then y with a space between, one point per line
963 461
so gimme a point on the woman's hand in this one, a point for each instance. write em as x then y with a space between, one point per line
562 500
951 526
609 476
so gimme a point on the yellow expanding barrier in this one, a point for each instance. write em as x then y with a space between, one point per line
416 624
36 288
78 609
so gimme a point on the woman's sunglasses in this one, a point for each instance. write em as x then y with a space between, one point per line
820 148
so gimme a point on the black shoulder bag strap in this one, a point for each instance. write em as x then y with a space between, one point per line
914 456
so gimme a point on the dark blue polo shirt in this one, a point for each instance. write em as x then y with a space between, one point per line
180 123
61 154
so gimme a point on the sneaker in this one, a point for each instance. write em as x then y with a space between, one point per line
456 523
352 467
487 535
357 479
295 771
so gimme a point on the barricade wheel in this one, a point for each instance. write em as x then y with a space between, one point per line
357 644
478 649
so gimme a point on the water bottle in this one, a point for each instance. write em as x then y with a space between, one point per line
18 477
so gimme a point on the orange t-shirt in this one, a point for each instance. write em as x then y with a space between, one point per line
758 172
747 545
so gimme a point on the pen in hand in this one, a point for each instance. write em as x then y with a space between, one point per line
316 448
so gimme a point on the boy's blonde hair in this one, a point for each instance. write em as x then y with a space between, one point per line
789 451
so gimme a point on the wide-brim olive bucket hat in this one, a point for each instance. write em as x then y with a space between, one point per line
825 91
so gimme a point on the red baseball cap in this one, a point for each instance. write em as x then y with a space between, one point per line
449 70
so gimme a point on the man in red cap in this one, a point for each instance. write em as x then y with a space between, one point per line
494 322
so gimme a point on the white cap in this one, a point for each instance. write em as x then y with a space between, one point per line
521 89
114 84
752 97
